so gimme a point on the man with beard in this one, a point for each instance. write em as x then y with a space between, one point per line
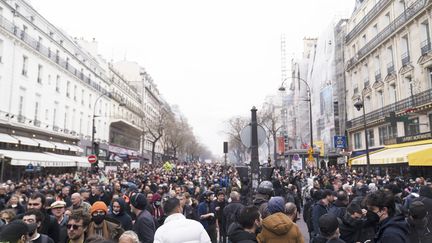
77 226
119 213
79 204
34 219
49 224
245 230
100 225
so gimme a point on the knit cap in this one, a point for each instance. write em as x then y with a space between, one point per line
99 205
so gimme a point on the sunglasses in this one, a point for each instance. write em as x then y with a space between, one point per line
73 226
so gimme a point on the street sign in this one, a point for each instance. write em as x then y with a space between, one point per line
92 159
29 168
246 135
340 142
296 157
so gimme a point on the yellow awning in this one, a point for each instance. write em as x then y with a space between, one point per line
421 158
399 154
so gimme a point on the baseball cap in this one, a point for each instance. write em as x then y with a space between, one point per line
13 231
328 224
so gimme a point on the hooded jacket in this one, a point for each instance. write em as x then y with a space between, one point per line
279 227
122 217
237 234
420 230
393 229
352 230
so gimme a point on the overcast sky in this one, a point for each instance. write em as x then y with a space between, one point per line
215 59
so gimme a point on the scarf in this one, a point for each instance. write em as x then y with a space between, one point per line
101 230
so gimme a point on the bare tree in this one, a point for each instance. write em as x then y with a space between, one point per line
272 123
235 125
154 129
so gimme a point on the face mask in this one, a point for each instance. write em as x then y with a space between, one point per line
157 203
374 216
98 219
116 213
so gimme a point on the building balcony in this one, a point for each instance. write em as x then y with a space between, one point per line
390 68
405 59
378 76
425 47
419 99
367 19
388 31
46 52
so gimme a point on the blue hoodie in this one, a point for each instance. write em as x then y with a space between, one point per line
393 229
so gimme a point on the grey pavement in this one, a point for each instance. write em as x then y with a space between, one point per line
303 228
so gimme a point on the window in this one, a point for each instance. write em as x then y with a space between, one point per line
357 140
90 101
24 66
36 112
392 93
371 137
39 77
46 114
57 88
364 39
429 70
412 127
21 106
82 96
405 50
68 89
380 99
375 30
387 19
65 122
54 117
75 93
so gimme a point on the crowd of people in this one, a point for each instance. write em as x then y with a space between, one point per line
200 202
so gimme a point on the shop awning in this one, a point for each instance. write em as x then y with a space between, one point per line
61 146
45 144
80 161
23 158
75 148
27 141
5 138
414 155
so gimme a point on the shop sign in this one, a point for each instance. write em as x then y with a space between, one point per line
421 136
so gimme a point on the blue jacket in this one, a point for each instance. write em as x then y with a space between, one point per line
393 229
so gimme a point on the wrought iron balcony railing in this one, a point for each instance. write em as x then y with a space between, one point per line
45 51
388 31
366 19
425 47
419 99
405 59
390 68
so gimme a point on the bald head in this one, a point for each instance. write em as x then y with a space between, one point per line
235 196
291 210
76 199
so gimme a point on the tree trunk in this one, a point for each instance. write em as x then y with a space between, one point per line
274 149
153 152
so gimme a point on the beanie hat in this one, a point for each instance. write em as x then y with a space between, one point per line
328 224
99 205
276 204
139 201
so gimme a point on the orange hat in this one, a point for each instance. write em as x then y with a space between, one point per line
99 205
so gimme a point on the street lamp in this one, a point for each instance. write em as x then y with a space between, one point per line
309 99
359 104
93 121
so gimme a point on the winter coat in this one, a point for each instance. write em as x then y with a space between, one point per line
338 209
179 229
420 230
231 213
318 210
236 234
352 230
278 227
322 239
110 230
393 229
145 227
122 217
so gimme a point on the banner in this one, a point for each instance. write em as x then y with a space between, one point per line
281 145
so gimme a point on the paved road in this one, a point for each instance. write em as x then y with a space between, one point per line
303 228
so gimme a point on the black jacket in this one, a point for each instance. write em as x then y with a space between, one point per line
145 227
50 227
420 230
393 229
231 213
236 234
352 230
124 218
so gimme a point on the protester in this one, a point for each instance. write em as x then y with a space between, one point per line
34 219
245 230
177 228
119 213
278 227
329 230
144 225
129 237
206 214
100 225
16 232
76 226
420 223
49 225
